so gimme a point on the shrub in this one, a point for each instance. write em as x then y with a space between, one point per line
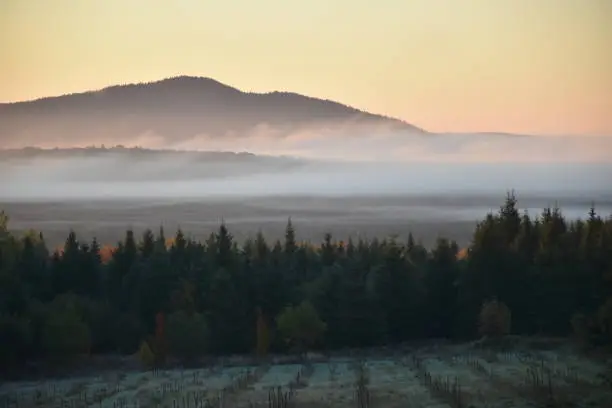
301 325
187 335
65 334
580 328
495 319
127 333
604 319
15 338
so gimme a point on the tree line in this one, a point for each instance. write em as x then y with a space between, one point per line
542 275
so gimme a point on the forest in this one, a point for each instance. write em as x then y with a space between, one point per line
173 297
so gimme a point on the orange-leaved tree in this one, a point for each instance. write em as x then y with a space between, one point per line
263 334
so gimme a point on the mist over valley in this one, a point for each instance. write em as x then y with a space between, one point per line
324 204
191 152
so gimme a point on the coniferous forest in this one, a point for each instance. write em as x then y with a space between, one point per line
165 295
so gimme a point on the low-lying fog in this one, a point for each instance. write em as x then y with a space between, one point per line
110 178
347 186
320 163
388 164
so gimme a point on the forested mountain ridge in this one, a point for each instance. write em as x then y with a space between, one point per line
175 109
521 275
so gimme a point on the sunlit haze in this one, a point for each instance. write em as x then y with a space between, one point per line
521 66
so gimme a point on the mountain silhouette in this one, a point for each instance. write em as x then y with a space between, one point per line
174 110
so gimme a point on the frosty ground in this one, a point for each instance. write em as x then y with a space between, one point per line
466 375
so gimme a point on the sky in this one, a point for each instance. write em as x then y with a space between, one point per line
519 66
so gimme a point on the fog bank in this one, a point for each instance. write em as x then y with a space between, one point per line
338 161
384 144
109 178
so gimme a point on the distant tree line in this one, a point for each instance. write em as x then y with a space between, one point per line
539 275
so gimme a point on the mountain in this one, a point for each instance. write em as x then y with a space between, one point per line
172 111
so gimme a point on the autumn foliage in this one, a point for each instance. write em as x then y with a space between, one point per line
160 344
146 356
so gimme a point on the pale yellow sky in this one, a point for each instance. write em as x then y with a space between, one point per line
528 66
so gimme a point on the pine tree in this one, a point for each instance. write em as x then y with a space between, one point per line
148 243
290 243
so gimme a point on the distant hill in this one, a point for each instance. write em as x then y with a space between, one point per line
135 154
174 110
136 164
